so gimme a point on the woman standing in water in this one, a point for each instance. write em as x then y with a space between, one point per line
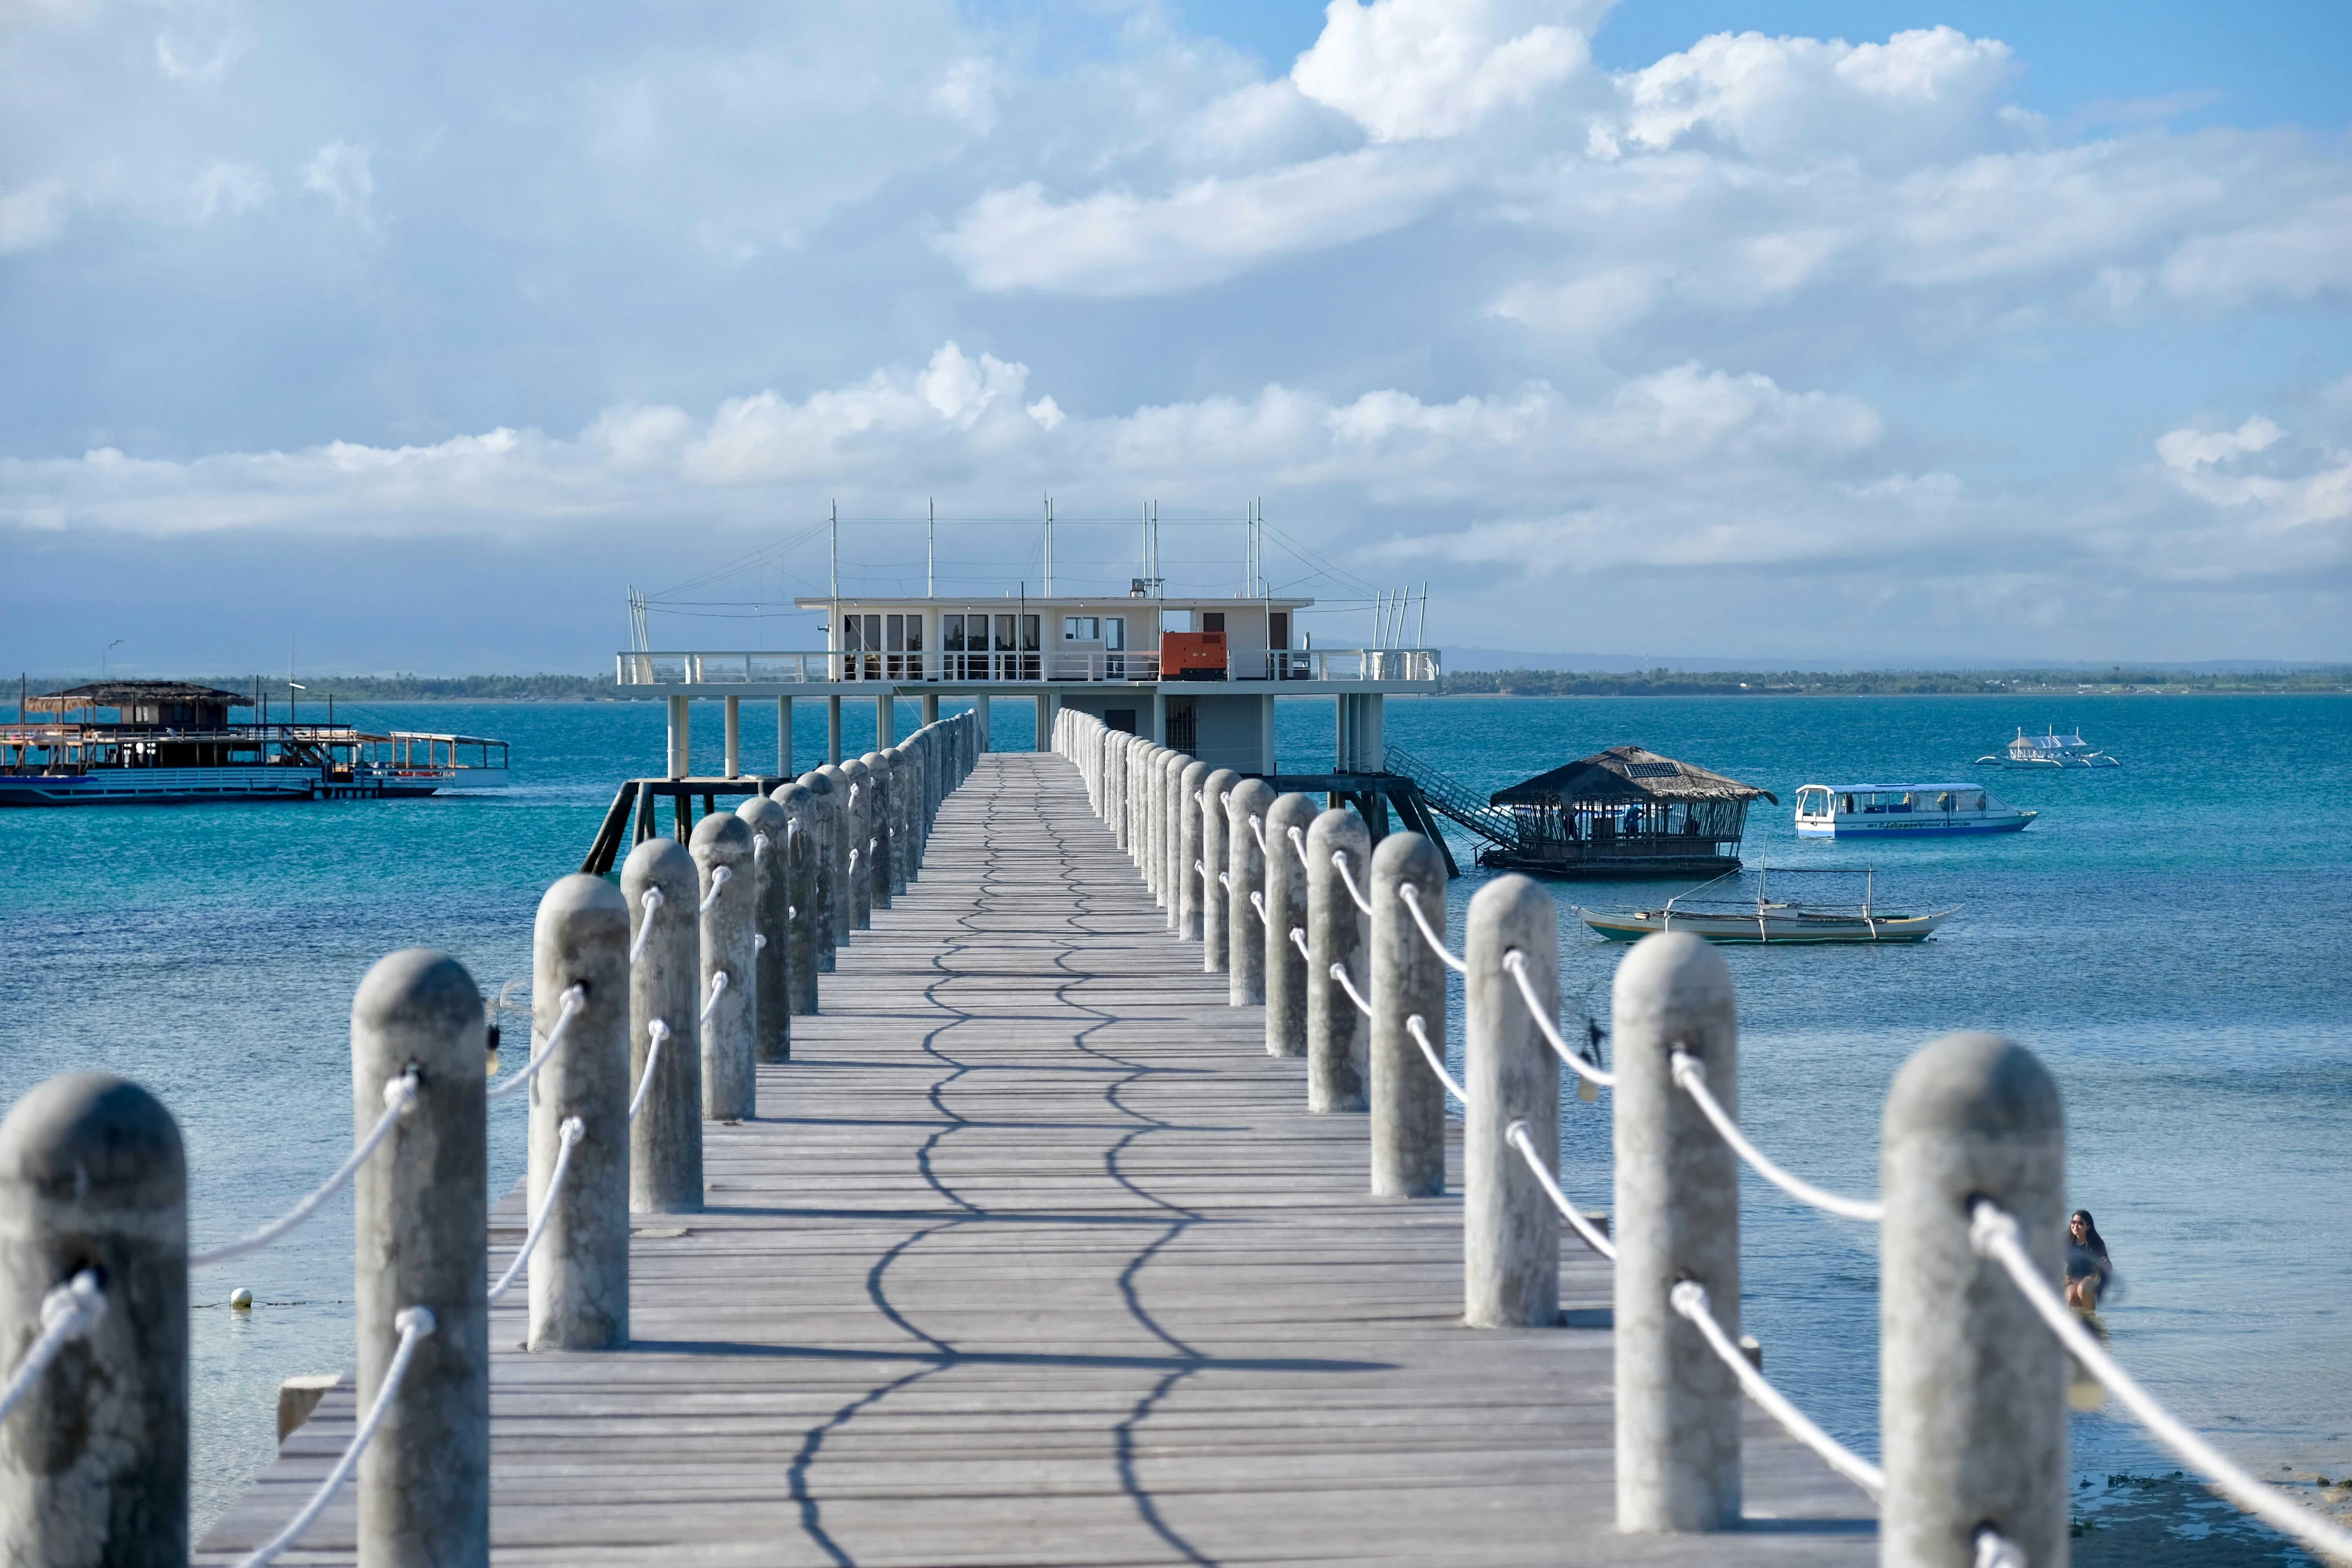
2088 1271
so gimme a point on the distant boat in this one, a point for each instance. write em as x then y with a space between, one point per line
1769 921
2049 751
1905 811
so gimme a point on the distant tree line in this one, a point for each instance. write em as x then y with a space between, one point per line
436 688
1662 682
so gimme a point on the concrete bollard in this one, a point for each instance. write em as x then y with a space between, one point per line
1972 1387
826 789
1246 869
859 864
1338 1035
798 803
666 1140
94 1464
1171 836
1510 1232
422 1210
1286 980
579 1274
730 1085
1114 787
1677 1218
772 902
876 866
899 764
1188 852
1217 896
1408 981
841 824
1155 812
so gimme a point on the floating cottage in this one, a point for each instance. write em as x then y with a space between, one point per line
1623 814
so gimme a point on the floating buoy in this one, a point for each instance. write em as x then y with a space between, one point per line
241 1300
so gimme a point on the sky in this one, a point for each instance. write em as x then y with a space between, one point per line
413 337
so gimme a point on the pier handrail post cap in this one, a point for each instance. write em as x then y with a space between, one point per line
581 893
1673 977
721 838
419 987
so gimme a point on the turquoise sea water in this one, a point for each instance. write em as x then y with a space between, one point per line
2168 937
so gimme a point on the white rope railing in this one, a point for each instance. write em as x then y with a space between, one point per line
1225 880
657 1032
853 862
1418 1027
574 999
719 877
650 901
1515 964
1257 831
1257 902
718 989
67 1312
1517 1136
574 1131
1993 1233
1298 940
1994 1551
1406 892
1689 1298
1690 1075
414 1323
1340 863
1297 842
759 846
399 1097
1339 973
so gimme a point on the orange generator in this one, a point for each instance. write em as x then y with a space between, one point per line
1191 655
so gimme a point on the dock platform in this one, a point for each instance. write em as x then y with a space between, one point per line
1034 1256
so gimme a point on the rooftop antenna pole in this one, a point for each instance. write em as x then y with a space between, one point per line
1049 547
930 554
1159 584
1421 637
836 552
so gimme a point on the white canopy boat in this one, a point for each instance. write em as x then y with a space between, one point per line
2051 750
1905 811
1767 920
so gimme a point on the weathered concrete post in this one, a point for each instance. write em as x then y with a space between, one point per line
879 847
899 764
825 804
730 1088
1152 809
1115 786
94 1464
1510 1232
1286 980
1408 981
1677 1218
1972 1387
666 1140
422 1207
680 732
841 828
1216 894
772 1022
1339 1037
1190 857
1172 866
1246 867
802 843
858 865
579 1274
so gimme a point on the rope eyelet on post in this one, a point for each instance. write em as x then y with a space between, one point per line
1515 964
1411 900
67 1312
574 998
1340 863
719 877
651 902
1518 1137
1690 1076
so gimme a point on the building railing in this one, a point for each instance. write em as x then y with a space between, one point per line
1030 666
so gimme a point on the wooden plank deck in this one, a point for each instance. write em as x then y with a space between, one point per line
1035 1256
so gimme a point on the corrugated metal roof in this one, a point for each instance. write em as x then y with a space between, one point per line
1628 774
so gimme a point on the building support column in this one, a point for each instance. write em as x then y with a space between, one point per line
885 722
832 731
784 739
1265 736
1160 715
1372 754
930 707
734 737
678 722
1045 723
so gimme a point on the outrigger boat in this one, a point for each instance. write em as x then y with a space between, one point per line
1767 920
2051 750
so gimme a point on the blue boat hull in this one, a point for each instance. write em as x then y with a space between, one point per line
159 786
1924 829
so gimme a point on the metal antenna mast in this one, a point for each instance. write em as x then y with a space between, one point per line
931 553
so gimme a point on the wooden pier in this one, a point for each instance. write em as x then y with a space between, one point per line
1034 1256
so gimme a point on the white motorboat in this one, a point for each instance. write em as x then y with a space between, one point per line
1905 811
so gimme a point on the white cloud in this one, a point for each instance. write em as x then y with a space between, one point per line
224 187
32 215
1410 69
344 175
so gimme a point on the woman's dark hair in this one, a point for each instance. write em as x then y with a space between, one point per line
2092 1243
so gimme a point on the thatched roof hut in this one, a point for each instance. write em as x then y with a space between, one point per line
164 704
1627 811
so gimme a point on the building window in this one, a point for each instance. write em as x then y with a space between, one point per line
1114 633
1182 731
1081 628
1213 620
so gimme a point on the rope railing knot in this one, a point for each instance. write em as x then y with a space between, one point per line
1515 964
575 996
1257 902
1225 880
1257 831
718 989
657 1031
1298 940
1995 1551
1418 1027
1689 1297
1689 1073
1520 1136
67 1312
1340 863
759 844
1410 897
1339 975
853 862
719 877
649 902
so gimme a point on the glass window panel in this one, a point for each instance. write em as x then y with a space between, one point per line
914 633
951 632
849 632
1032 630
1004 635
894 633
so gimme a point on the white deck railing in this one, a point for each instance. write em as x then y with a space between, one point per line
715 667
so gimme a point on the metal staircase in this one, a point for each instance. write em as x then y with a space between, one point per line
1454 800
